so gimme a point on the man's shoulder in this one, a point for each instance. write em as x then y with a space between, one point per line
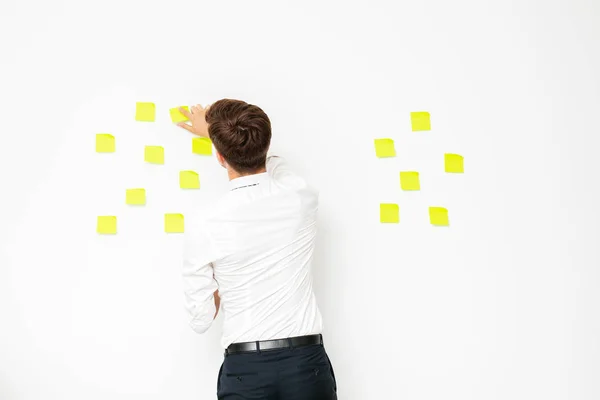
210 212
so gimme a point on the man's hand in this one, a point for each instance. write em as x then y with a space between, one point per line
196 115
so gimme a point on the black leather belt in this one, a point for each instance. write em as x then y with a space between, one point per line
265 345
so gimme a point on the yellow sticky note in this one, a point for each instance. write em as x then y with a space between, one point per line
145 112
177 116
384 148
154 154
420 121
454 163
105 143
409 180
135 197
438 216
189 180
174 223
389 213
202 146
107 225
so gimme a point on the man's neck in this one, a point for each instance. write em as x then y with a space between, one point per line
234 174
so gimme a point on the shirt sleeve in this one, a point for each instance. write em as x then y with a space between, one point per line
276 164
281 173
198 278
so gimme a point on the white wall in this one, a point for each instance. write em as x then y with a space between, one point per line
504 304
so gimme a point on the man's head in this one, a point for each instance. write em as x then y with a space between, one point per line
241 134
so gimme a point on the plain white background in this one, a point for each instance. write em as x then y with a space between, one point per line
504 304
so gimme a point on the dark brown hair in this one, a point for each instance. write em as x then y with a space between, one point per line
241 133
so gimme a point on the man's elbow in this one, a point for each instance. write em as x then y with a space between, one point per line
202 319
200 326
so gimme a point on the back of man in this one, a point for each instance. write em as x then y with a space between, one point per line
252 253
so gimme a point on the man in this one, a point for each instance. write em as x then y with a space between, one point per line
252 254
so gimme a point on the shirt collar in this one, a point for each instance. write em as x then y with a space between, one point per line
247 181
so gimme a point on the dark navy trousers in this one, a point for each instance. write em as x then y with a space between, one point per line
301 373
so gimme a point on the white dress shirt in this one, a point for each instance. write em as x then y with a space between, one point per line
255 246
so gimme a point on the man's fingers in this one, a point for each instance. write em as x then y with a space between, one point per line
185 126
185 112
197 108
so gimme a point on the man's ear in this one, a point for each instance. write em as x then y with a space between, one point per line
221 160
